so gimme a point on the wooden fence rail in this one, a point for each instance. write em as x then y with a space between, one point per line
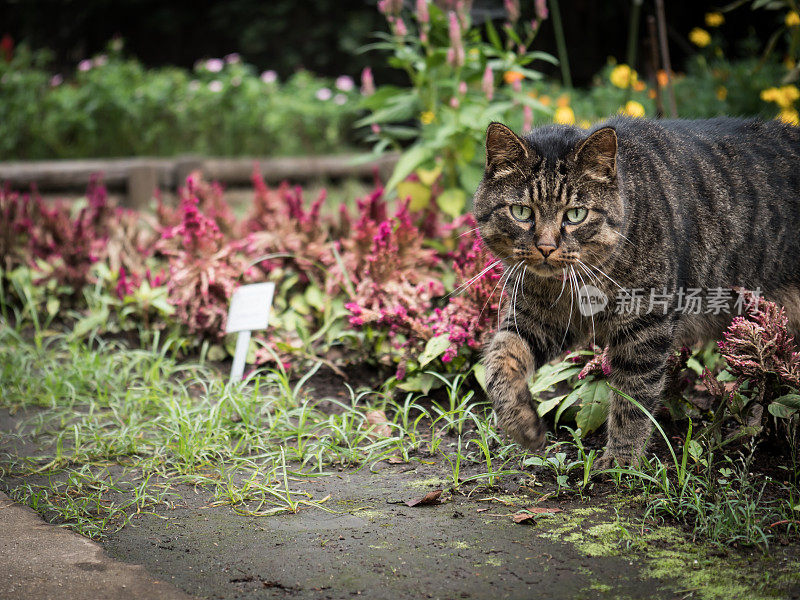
141 176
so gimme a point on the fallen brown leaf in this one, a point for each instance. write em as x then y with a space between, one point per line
395 460
429 498
381 424
530 513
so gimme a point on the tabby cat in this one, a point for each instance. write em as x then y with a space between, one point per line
633 207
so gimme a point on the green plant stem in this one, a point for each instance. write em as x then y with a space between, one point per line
561 44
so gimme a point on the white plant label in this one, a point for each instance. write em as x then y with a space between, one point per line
249 311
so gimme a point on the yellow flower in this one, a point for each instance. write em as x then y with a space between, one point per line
564 116
722 93
563 100
700 37
784 96
584 124
714 19
427 117
633 109
789 116
622 76
513 76
792 19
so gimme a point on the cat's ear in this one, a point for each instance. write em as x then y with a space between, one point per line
596 157
504 150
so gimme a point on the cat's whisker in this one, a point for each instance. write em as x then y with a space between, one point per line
622 236
603 273
468 231
494 289
500 302
571 301
591 314
563 284
520 282
464 286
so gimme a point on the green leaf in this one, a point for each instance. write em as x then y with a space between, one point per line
591 416
549 375
421 382
545 406
435 347
419 193
480 375
410 160
781 410
790 400
452 201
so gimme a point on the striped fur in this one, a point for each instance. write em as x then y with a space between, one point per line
671 205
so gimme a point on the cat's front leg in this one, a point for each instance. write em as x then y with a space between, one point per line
509 362
638 368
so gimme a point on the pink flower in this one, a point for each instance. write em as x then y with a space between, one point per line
340 99
512 8
269 76
400 27
541 9
56 80
324 94
345 83
85 65
455 54
423 16
527 118
214 65
233 58
100 61
487 83
462 88
367 82
215 86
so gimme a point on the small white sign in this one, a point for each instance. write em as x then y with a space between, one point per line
250 307
249 310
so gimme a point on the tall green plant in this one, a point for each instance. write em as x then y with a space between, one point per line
459 83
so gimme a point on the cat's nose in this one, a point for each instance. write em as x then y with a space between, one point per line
545 249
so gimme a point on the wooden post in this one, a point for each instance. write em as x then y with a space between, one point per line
142 183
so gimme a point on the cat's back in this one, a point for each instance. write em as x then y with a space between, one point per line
723 146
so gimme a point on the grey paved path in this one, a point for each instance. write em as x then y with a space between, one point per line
38 560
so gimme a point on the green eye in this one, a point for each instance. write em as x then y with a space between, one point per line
576 215
521 213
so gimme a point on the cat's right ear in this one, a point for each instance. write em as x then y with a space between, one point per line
504 151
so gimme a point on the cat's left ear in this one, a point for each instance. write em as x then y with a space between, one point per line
596 157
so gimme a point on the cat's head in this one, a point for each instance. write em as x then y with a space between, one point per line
550 199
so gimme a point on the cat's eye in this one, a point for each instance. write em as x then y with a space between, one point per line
521 213
576 215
